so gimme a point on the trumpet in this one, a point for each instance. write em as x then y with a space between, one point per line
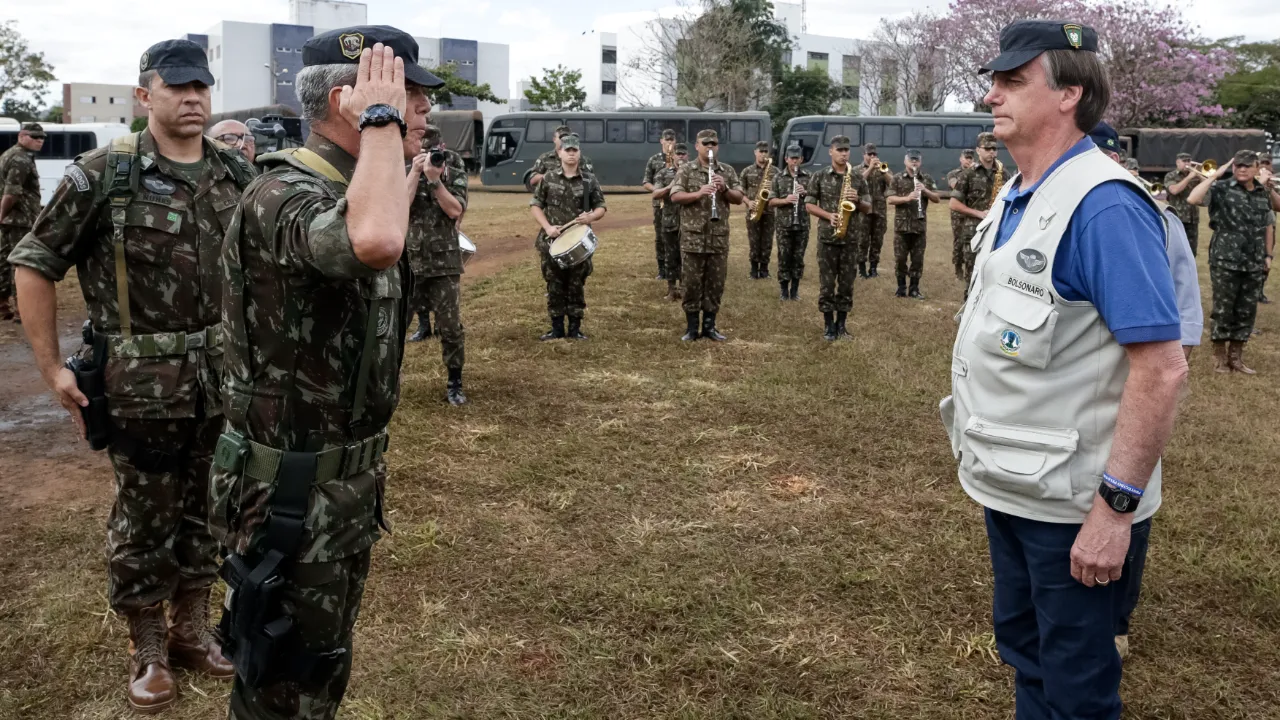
1152 188
884 167
1205 169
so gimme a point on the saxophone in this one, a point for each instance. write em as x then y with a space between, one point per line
847 207
997 183
762 198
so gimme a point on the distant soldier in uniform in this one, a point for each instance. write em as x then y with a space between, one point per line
957 218
566 193
142 220
236 135
663 180
912 190
759 233
837 252
972 195
439 197
19 204
789 188
1134 168
704 241
1240 254
871 241
550 159
1178 185
656 163
1266 177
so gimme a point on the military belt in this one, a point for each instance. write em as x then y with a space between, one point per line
263 462
163 344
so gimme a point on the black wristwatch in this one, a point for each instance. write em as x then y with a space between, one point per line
380 115
1117 499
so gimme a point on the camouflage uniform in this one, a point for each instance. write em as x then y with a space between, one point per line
909 230
314 341
877 221
162 379
760 233
974 188
654 165
1237 256
561 200
670 227
704 245
837 256
1189 214
20 179
957 225
793 227
436 260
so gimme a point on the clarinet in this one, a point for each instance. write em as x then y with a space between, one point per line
798 190
711 178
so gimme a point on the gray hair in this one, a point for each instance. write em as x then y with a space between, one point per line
314 82
1064 68
144 80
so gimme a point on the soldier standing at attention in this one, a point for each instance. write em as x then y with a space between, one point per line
759 233
872 241
971 198
957 219
1265 176
438 197
143 220
837 252
704 235
1240 254
663 181
565 194
19 204
550 159
912 190
789 188
656 163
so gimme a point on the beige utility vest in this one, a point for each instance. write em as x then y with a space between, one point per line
1036 380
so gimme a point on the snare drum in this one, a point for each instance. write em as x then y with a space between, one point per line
574 246
467 247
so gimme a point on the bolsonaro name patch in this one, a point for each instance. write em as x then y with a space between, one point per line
1024 287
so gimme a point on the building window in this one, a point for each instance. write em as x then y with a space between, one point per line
123 121
850 69
88 99
609 56
818 60
119 101
468 63
608 87
849 92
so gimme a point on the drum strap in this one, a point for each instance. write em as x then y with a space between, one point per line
587 180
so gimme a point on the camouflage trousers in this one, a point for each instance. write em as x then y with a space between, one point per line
836 270
957 242
659 244
964 236
9 237
792 244
1193 235
908 246
1235 302
324 601
671 253
566 289
158 539
760 240
703 275
871 240
440 295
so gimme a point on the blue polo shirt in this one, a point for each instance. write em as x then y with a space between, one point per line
1112 255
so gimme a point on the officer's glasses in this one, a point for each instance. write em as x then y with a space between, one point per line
235 140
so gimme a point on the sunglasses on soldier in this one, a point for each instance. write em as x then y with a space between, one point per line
709 143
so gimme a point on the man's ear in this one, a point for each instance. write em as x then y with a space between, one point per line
143 96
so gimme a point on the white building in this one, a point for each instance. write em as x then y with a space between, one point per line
599 63
98 103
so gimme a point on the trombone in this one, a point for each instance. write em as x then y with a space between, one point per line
1152 188
1205 169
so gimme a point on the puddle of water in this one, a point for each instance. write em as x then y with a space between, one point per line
32 412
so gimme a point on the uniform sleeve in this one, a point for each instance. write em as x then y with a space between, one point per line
15 176
62 233
860 186
597 195
1171 179
732 182
813 191
961 189
539 198
682 182
457 186
648 173
308 231
1186 284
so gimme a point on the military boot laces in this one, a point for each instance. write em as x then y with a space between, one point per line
151 684
191 641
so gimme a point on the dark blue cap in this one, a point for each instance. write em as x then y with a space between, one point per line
1106 138
178 62
1025 40
338 47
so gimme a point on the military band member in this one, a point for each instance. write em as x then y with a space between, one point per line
704 236
551 159
663 180
759 233
912 192
1266 176
971 198
565 194
142 220
438 197
19 204
789 188
871 242
957 218
1240 254
837 252
656 163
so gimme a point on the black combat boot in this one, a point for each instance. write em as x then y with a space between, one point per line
764 270
795 288
453 392
829 326
709 330
914 292
424 328
873 273
575 329
783 294
691 329
557 329
902 286
841 330
862 270
755 270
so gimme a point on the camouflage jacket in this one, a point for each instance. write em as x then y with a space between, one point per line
751 177
298 306
19 178
1185 211
907 218
670 211
953 177
652 167
974 188
878 186
172 236
697 232
561 200
783 186
549 161
824 191
432 242
1239 219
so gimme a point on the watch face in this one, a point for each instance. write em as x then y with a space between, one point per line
1121 502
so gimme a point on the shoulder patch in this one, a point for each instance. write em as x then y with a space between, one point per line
78 177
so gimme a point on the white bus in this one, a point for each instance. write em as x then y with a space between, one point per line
61 145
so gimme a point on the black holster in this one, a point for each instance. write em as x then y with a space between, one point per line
92 383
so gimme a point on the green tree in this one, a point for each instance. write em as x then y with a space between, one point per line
802 91
53 114
20 69
20 110
559 89
1251 94
139 124
455 86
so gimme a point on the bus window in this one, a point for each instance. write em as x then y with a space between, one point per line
883 135
696 126
808 143
962 136
8 140
924 136
850 130
593 131
501 147
543 130
657 126
744 131
626 131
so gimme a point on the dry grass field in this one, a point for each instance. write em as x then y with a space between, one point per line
633 527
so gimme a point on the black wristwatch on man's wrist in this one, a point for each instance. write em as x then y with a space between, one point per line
1119 495
380 115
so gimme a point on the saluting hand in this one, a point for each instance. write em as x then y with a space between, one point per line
379 80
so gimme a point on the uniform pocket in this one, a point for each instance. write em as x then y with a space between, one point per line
147 387
1018 327
1028 460
151 232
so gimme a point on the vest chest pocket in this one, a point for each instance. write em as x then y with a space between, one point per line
1022 459
1017 327
151 231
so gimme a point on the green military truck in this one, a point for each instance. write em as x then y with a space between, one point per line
1157 148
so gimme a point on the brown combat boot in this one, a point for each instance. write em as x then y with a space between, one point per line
151 684
673 291
1235 358
1220 362
191 642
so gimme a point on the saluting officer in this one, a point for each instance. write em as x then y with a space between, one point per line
19 203
877 221
142 220
759 232
789 189
836 252
664 180
912 191
655 164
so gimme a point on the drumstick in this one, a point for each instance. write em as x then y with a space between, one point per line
568 225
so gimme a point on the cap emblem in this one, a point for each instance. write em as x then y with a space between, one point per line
144 62
1075 35
352 44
